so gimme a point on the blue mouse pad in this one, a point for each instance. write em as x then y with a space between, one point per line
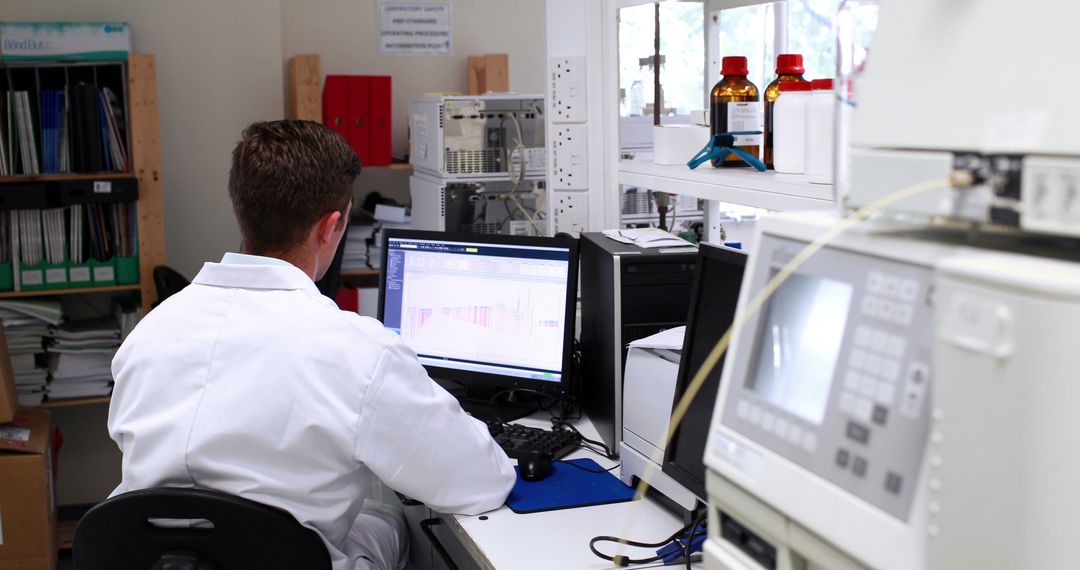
568 487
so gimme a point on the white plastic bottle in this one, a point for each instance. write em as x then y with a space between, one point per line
789 127
820 123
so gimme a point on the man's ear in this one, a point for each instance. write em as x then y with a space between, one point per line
324 229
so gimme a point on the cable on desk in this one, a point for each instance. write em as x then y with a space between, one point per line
583 468
608 453
688 547
623 560
493 402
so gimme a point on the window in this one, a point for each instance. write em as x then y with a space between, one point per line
751 31
682 39
810 32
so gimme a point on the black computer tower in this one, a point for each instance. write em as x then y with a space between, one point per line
627 293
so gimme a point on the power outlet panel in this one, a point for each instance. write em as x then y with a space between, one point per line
571 212
569 156
568 89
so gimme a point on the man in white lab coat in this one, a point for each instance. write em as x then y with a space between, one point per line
250 382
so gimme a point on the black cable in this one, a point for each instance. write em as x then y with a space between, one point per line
583 468
594 450
623 560
608 452
493 402
690 537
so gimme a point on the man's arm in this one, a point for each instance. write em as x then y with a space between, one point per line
414 436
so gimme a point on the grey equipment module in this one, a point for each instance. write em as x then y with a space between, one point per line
903 402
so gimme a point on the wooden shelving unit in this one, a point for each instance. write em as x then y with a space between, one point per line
145 154
145 160
61 177
73 402
367 272
393 166
77 291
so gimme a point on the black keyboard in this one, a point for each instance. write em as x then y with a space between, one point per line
521 441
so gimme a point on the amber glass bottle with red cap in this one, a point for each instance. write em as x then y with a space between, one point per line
734 105
789 67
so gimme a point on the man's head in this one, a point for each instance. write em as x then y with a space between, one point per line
291 190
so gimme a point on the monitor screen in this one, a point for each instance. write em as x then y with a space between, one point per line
712 309
799 343
481 308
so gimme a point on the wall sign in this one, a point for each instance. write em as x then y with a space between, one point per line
411 28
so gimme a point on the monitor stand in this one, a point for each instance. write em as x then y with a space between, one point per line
505 411
476 401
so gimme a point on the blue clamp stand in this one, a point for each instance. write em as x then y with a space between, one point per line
723 144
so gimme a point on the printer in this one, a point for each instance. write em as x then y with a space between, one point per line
652 371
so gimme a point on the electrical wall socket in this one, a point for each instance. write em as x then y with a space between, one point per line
569 157
571 212
568 89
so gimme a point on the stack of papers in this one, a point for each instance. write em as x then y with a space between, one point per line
128 315
81 359
648 238
375 249
356 246
26 329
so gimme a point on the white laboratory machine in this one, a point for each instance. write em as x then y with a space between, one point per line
478 136
902 402
652 371
479 205
479 164
975 85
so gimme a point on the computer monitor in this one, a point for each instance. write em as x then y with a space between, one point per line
487 312
713 299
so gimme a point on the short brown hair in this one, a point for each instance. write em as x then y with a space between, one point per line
285 176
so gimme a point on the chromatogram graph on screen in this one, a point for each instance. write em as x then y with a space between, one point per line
484 318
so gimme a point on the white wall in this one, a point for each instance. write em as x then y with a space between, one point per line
219 68
343 32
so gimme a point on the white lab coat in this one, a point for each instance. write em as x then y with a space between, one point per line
251 382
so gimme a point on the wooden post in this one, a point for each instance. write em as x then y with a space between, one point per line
476 74
146 163
497 72
305 88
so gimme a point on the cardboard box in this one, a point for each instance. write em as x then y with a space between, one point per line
9 397
30 41
27 501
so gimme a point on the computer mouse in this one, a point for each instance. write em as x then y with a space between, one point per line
536 467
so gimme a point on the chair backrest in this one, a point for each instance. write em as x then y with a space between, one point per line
168 281
117 533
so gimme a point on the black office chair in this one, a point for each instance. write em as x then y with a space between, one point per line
168 281
117 534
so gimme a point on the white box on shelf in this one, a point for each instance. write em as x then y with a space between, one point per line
677 144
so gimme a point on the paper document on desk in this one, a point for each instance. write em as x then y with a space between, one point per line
671 339
647 238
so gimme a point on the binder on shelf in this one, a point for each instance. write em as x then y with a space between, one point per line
381 113
101 262
76 245
360 116
358 107
60 118
27 250
336 104
125 243
7 278
78 267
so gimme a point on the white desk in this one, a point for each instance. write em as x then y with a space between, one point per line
505 540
